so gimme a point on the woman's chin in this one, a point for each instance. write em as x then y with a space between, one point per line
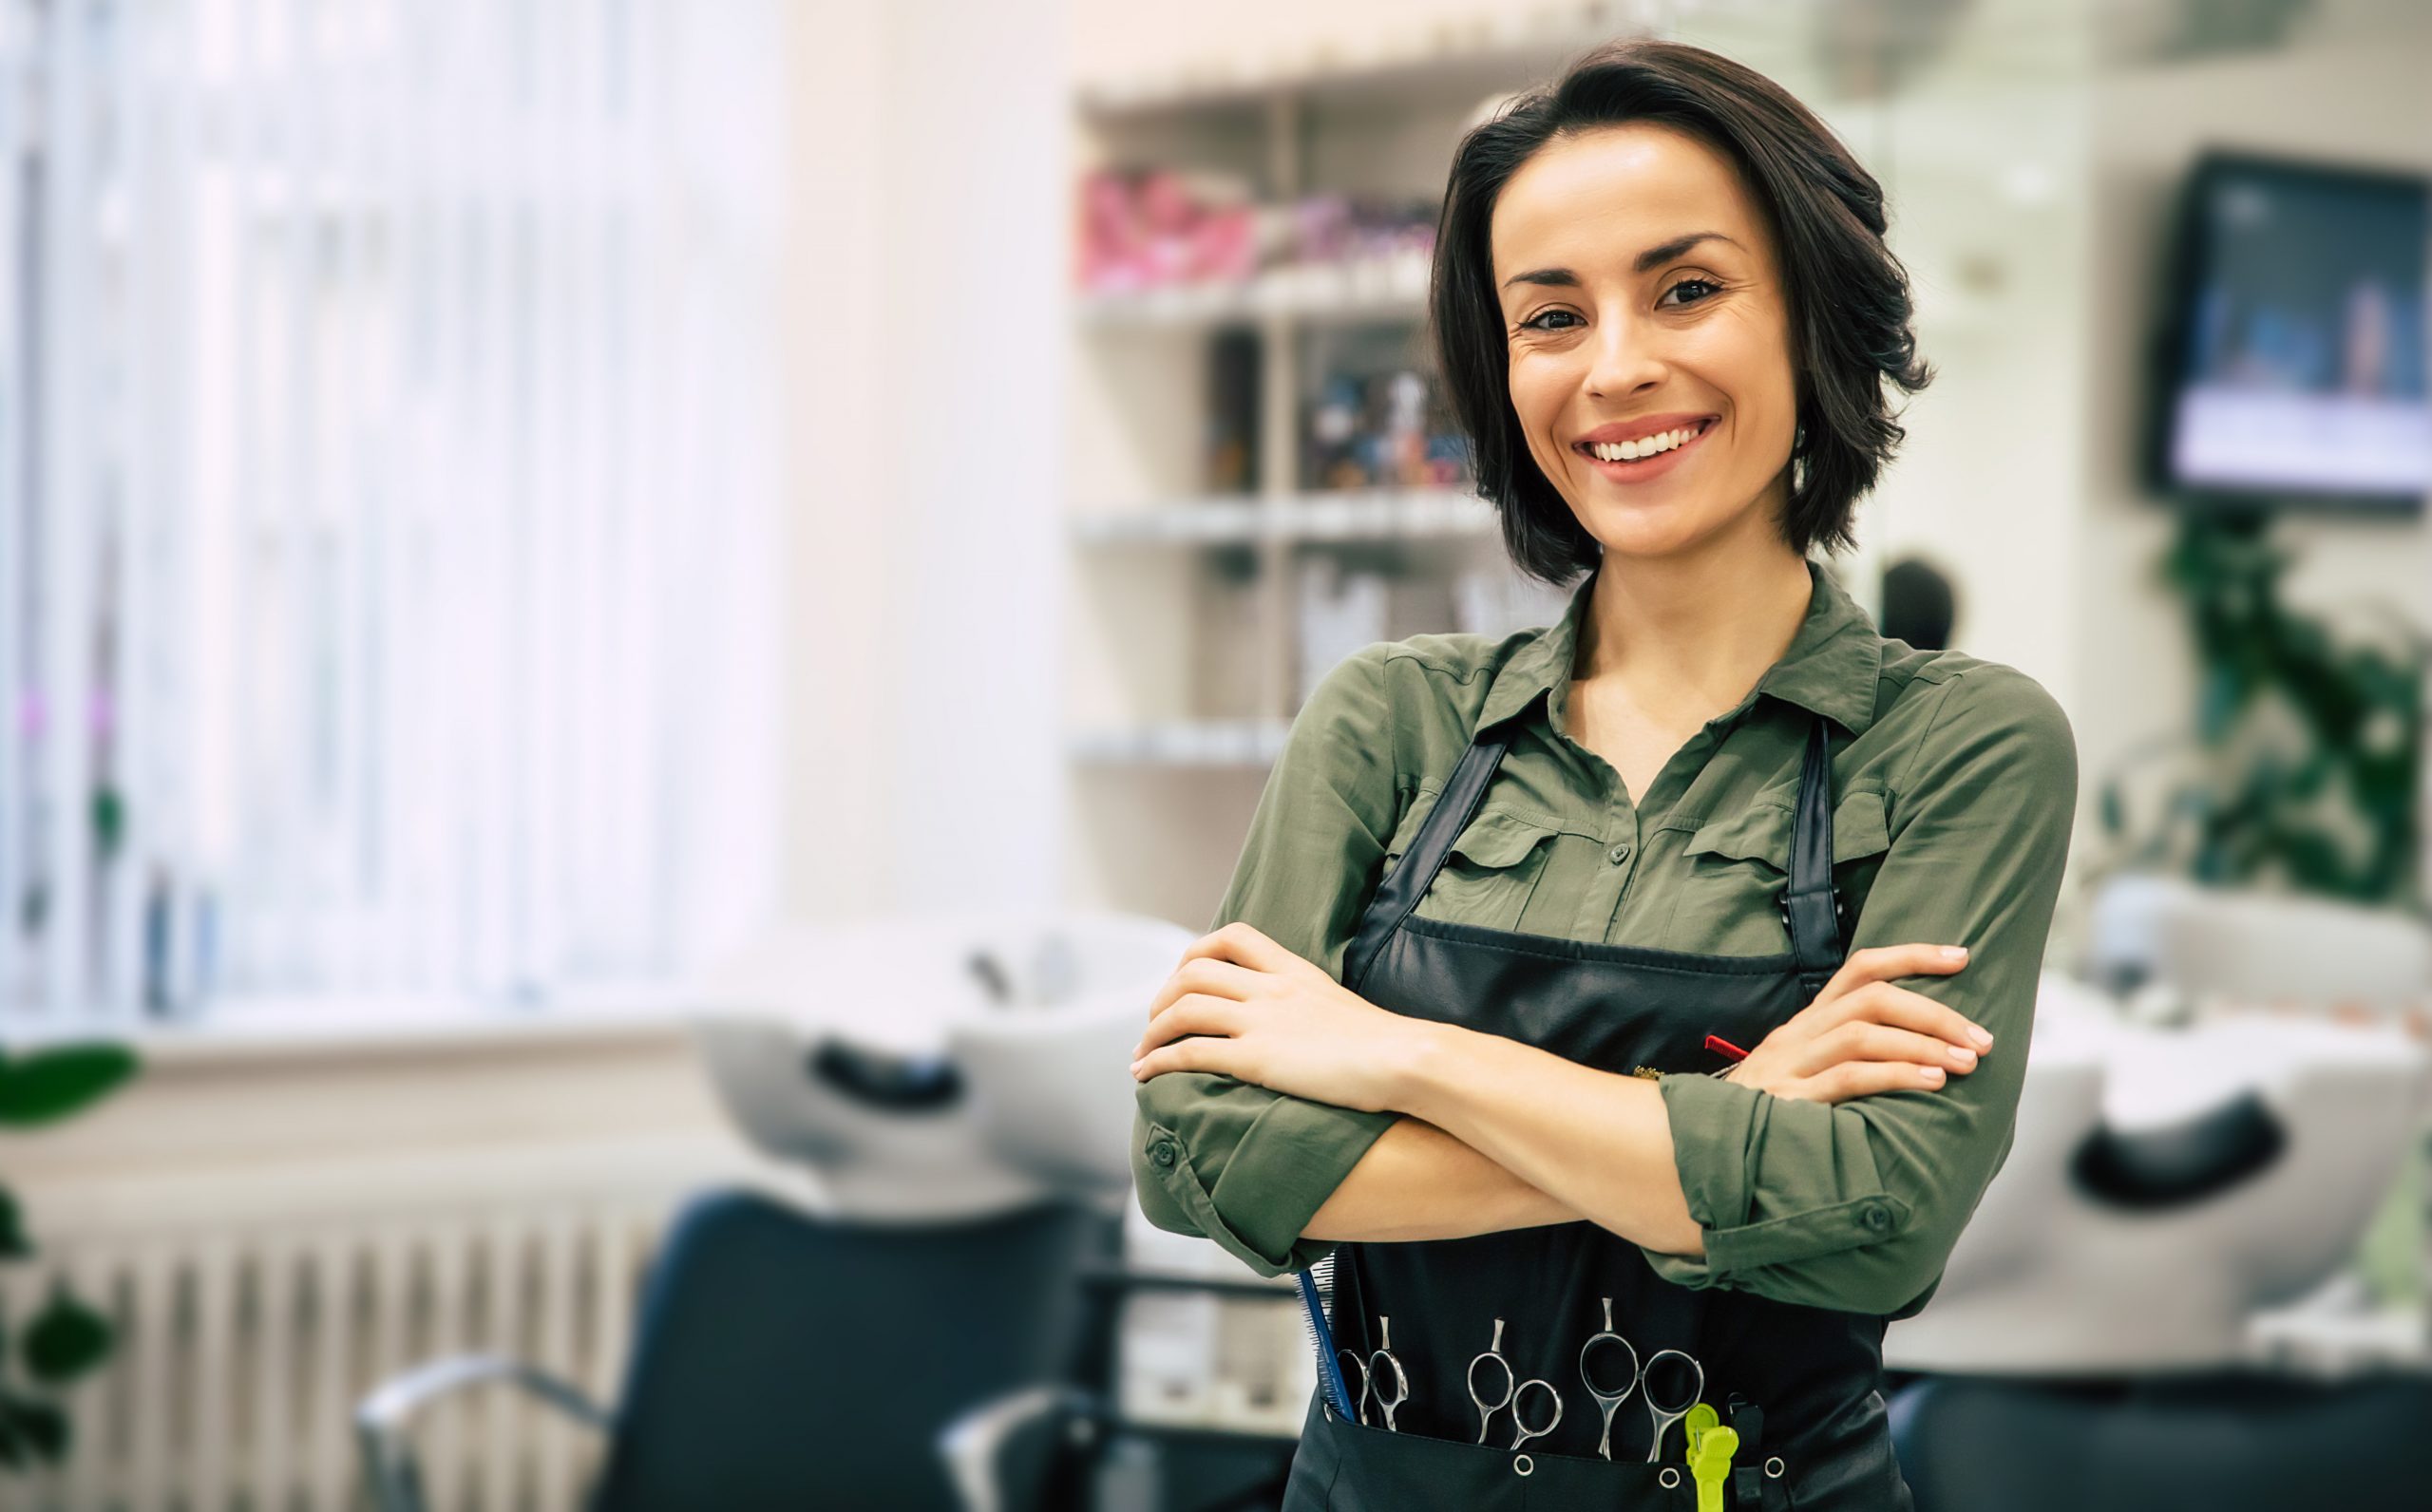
1645 529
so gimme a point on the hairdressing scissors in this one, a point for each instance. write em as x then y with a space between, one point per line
1355 1367
1371 1376
1607 1401
1514 1393
1663 1416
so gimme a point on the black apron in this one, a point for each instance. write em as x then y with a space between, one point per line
1800 1385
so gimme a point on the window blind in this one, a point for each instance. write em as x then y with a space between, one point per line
388 499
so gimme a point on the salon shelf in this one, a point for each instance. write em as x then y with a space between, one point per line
1456 57
1229 743
1386 514
1175 522
1185 602
1392 288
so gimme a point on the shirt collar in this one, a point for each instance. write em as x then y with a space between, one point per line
1831 668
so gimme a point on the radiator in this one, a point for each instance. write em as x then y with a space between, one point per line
243 1348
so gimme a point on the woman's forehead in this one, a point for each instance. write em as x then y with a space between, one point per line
1593 202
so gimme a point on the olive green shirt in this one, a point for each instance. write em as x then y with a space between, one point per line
1955 790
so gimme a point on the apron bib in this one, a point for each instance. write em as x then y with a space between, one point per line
1800 1385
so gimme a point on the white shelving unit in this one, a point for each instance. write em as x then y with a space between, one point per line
1186 656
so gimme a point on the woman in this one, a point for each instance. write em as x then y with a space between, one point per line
1584 998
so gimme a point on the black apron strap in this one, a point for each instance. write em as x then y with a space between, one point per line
1811 906
1409 880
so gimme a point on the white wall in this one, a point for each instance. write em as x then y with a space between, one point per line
925 317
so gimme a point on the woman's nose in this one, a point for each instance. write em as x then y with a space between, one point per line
1622 356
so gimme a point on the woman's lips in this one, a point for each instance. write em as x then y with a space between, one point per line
1645 469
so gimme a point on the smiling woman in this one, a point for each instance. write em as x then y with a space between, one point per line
1669 210
1470 1026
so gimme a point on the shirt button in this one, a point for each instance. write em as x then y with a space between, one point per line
1878 1217
1619 854
1162 1152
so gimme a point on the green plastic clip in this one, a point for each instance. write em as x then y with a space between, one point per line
1710 1466
1701 1418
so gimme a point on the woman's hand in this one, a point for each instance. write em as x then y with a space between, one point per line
1241 1004
1863 1035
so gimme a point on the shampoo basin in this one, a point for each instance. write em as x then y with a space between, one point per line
945 1065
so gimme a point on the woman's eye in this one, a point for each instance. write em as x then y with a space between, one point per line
1711 288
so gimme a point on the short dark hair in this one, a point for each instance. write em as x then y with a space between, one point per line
1848 295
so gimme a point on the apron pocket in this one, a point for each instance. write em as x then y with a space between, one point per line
1383 1472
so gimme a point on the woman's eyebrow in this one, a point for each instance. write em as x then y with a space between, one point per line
1652 256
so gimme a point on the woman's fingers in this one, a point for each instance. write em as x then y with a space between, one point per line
1191 1013
1211 974
1878 963
1865 1034
1197 1034
1887 1003
1854 1079
1243 945
1203 1053
1864 1040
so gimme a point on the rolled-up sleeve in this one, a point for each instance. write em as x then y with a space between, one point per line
1218 1157
1857 1205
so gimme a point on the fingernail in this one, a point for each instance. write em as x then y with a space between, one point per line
1929 1074
1962 1054
1954 952
1984 1041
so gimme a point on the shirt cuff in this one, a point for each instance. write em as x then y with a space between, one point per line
1293 1157
1726 1139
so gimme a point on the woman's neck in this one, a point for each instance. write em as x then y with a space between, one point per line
1685 637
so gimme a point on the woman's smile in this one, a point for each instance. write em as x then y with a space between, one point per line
1654 465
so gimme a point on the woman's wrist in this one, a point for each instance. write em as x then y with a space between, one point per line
1419 1057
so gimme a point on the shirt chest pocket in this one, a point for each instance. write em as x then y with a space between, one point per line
1490 873
1739 867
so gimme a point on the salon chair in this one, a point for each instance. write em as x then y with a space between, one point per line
2224 1442
783 1360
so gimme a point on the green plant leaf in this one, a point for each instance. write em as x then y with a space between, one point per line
39 1425
52 1084
2315 862
66 1339
14 1243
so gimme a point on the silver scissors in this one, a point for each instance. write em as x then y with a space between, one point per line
1663 1416
1607 1401
1514 1393
1371 1376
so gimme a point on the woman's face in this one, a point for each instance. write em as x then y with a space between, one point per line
1622 318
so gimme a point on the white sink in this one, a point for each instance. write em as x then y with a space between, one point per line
2061 1271
941 1066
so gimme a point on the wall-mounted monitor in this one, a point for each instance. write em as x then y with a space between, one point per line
2291 368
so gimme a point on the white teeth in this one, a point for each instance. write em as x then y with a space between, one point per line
1645 446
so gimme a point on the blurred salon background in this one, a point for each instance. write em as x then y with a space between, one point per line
633 632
